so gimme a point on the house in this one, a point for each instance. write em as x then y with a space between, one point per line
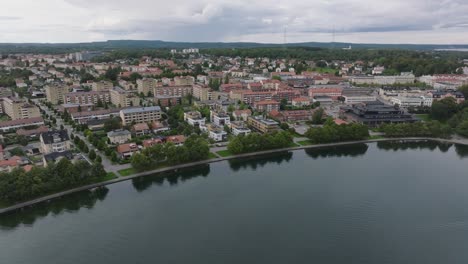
120 136
57 156
178 140
194 118
13 163
159 126
127 150
32 132
242 114
55 141
151 142
141 129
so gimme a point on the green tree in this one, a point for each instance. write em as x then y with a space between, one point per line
92 155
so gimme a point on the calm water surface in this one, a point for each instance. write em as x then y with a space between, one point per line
375 203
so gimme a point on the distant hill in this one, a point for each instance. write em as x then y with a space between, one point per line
158 44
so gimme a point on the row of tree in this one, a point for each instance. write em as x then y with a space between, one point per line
419 129
259 142
331 132
20 185
194 149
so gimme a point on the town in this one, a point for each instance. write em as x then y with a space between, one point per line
85 117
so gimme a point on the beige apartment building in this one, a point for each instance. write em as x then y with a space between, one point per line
55 93
16 109
184 80
123 98
140 115
87 97
102 86
146 85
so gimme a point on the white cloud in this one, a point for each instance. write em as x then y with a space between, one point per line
377 21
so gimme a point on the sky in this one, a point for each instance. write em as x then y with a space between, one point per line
265 21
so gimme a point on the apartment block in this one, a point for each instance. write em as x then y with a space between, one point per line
173 90
140 115
146 85
123 98
84 98
102 86
16 109
263 125
55 93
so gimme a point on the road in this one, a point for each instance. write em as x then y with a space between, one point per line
106 163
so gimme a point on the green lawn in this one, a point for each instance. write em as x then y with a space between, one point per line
305 143
224 153
127 172
110 176
424 117
212 156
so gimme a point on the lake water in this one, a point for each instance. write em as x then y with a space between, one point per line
368 203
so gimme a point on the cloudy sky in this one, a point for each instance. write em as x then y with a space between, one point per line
357 21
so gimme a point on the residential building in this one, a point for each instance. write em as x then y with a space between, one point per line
12 163
194 118
126 151
301 102
55 157
102 86
242 114
84 117
239 128
86 98
141 129
215 132
220 118
32 132
458 96
123 98
184 80
266 106
120 136
173 90
8 126
292 115
140 115
55 93
177 140
159 126
262 124
55 141
16 109
146 85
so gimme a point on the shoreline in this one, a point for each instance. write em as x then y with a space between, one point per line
22 205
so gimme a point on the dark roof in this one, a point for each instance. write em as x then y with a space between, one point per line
54 156
52 136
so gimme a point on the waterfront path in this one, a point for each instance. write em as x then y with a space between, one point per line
18 206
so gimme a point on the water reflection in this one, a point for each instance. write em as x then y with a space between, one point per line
68 203
353 150
255 161
173 177
461 150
